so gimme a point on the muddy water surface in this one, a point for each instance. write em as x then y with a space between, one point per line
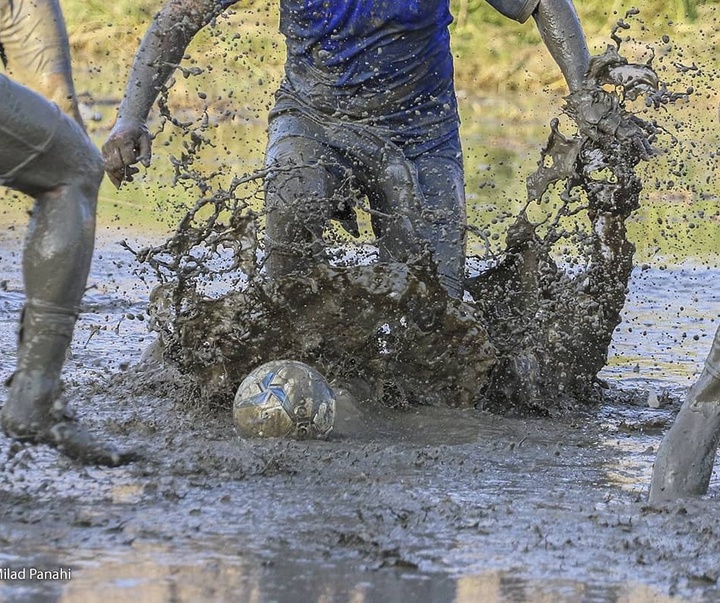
430 504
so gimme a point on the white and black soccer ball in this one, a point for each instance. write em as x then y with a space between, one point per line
284 399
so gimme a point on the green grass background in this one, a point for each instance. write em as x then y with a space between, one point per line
508 86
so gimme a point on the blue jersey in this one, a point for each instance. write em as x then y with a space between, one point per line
384 63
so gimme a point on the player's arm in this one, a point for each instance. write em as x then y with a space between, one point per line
562 33
160 52
37 53
560 30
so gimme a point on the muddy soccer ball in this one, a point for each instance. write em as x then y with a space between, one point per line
284 398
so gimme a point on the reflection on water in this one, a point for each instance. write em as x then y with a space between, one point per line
157 575
669 321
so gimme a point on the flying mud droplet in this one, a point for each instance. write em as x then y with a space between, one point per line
535 334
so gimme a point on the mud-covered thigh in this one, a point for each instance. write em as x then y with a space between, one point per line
306 179
41 148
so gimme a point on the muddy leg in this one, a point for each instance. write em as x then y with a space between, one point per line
442 182
298 189
686 456
425 201
47 155
56 262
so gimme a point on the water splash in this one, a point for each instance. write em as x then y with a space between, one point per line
536 333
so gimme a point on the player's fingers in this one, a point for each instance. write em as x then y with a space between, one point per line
145 149
129 173
113 178
114 166
129 152
118 164
113 154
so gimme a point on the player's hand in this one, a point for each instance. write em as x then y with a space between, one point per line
129 143
598 115
600 112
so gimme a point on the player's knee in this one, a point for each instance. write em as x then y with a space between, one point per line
74 159
72 203
90 169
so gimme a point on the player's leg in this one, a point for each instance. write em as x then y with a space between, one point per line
47 155
686 455
429 192
441 180
300 183
36 50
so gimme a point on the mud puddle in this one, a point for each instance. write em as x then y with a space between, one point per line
428 504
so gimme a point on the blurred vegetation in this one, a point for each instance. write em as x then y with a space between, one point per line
492 52
508 86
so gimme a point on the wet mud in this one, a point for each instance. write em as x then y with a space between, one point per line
432 503
415 502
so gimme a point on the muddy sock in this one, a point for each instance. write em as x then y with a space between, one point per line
44 338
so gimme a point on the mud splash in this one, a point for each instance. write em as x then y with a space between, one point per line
552 319
435 504
535 334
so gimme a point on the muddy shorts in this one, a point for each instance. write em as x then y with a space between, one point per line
318 170
40 147
34 49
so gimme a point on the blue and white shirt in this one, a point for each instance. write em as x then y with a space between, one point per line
384 63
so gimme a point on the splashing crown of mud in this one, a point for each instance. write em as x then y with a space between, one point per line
536 334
